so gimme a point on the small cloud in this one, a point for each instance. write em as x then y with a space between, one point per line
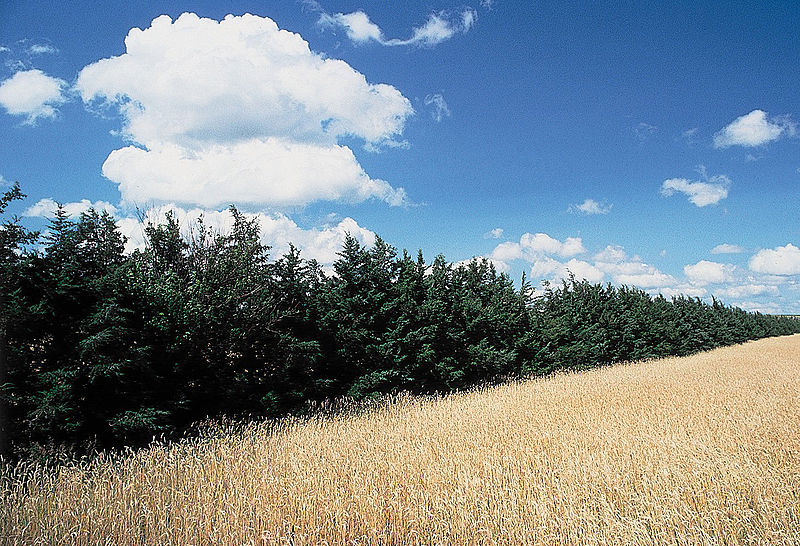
438 105
760 307
754 129
706 272
42 49
4 49
708 191
582 270
468 18
496 233
46 208
534 248
439 27
689 135
488 4
689 290
643 131
15 65
614 262
33 94
590 206
752 157
783 260
747 290
543 243
663 252
646 279
358 26
725 248
612 254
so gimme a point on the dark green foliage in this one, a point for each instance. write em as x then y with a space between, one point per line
105 349
13 270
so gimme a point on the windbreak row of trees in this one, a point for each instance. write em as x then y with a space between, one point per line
103 349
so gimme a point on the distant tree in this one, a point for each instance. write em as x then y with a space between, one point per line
99 348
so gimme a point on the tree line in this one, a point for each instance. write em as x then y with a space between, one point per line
102 349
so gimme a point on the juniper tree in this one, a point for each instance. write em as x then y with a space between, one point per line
13 238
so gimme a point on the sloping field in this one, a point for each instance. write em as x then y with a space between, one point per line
704 449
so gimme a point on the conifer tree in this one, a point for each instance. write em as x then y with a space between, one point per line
13 238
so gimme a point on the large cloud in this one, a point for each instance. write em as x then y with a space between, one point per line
33 94
273 171
239 110
783 260
753 129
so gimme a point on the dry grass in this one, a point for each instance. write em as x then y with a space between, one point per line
699 450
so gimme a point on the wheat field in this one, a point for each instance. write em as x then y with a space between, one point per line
696 450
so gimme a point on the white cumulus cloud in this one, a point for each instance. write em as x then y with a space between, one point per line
701 193
753 129
783 260
274 171
557 271
541 243
747 290
42 49
533 248
706 272
46 208
277 230
33 94
614 261
612 254
240 111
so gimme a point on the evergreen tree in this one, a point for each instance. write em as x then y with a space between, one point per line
13 238
103 349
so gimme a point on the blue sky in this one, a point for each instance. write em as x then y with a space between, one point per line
639 144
